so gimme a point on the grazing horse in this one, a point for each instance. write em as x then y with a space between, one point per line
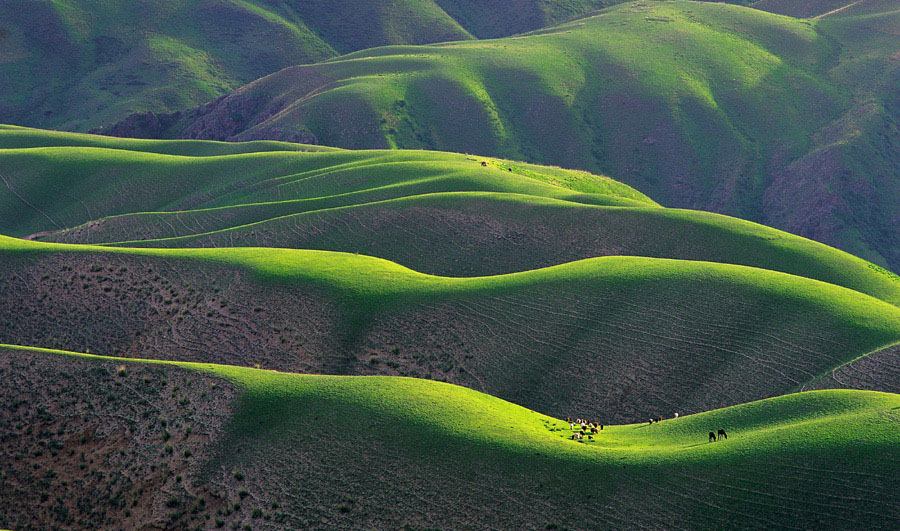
722 434
712 437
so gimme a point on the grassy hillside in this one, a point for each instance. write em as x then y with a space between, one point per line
271 334
360 444
82 64
85 63
627 337
434 212
112 177
788 122
550 95
17 137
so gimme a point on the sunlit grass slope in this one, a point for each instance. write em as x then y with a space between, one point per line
483 233
80 64
683 100
17 137
452 456
42 182
434 212
77 64
784 121
629 335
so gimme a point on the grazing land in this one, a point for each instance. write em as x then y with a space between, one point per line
628 337
79 64
787 122
391 452
442 264
437 213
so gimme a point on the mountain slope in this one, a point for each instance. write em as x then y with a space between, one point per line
79 64
791 123
475 461
607 334
434 212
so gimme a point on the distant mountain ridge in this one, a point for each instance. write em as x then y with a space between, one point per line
791 123
80 64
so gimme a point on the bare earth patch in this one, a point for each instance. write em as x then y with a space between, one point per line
89 444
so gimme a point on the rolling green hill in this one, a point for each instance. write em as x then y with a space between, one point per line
387 452
284 333
788 122
113 177
78 64
437 213
625 337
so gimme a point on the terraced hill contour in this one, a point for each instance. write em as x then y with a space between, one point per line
544 309
566 292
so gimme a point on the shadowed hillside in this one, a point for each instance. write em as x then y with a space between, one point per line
388 452
624 337
371 289
83 63
434 212
788 122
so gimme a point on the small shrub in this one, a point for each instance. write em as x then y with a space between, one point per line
120 370
257 513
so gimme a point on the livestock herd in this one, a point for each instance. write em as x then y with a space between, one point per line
583 428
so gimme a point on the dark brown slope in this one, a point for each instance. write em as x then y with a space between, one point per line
89 444
879 371
84 446
623 352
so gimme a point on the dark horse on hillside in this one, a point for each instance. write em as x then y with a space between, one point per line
713 436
